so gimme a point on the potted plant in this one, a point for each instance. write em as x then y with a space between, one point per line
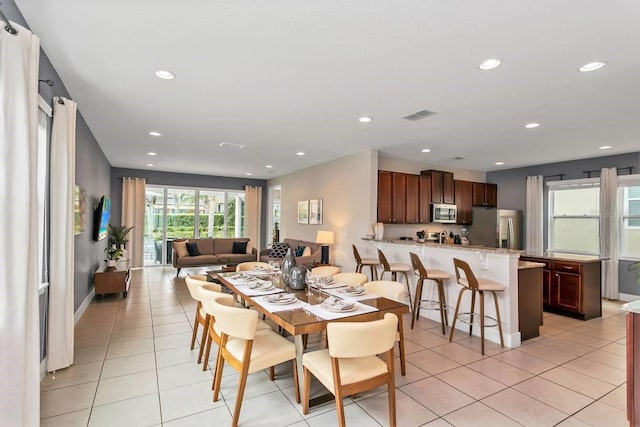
118 235
113 254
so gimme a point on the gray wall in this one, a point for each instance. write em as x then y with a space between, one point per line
512 189
183 180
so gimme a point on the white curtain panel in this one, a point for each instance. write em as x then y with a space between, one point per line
535 197
133 211
252 214
609 232
19 277
61 282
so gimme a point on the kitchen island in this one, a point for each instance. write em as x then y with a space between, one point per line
500 265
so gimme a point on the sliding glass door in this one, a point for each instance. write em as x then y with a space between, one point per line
184 213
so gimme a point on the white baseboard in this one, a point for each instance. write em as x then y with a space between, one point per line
83 307
628 297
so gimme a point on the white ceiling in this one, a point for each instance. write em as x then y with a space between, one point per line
282 76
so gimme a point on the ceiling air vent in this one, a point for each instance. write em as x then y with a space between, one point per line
418 115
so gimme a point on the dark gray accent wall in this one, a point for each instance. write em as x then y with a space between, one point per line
512 191
182 180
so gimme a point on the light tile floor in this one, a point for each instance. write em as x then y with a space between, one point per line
133 367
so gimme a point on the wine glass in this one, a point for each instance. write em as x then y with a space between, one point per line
309 280
320 282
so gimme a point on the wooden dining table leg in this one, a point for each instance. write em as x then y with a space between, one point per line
403 367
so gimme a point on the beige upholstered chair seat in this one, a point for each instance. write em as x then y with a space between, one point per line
351 279
370 261
483 284
269 349
325 270
398 266
351 370
437 274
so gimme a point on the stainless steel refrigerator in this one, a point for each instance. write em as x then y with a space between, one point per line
496 228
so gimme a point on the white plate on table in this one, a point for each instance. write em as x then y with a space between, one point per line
338 306
352 290
281 299
261 286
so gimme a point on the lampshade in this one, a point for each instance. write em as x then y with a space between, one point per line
324 237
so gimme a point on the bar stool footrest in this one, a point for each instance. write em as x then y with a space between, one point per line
466 318
429 304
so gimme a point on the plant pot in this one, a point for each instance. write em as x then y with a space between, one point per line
111 263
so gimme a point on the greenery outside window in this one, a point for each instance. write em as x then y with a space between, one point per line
629 199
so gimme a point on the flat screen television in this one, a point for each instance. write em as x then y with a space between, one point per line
103 211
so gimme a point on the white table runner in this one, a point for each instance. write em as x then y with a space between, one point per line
271 308
330 315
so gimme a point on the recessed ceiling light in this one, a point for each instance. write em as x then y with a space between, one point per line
426 150
592 66
154 133
365 119
299 153
499 163
490 64
165 75
532 125
268 166
150 165
604 147
248 174
151 153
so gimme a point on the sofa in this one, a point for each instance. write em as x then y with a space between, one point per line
293 244
211 252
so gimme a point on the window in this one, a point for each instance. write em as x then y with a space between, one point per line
44 119
629 226
573 212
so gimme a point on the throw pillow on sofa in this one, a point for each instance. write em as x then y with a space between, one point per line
300 250
278 250
192 248
307 251
181 248
239 248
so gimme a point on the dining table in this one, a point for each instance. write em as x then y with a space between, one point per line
309 311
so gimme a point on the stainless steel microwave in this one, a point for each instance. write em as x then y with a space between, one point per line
446 214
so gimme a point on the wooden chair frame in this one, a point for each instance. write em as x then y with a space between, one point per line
423 275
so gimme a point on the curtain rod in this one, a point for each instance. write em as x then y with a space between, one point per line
10 28
629 170
50 83
561 175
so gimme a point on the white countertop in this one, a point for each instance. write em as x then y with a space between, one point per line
474 248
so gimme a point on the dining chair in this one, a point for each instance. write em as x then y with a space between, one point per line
325 270
350 365
393 291
394 268
479 286
247 351
351 279
194 283
372 263
436 276
208 293
252 265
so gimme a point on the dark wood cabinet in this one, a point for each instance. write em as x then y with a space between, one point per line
571 287
391 196
412 202
442 186
485 195
425 199
529 301
385 196
462 190
111 281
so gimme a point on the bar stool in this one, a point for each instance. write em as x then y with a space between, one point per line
437 276
366 262
394 268
476 285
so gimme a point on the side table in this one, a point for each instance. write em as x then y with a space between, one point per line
111 280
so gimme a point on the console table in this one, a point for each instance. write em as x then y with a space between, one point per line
110 281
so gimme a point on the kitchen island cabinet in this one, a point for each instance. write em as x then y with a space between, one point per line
571 284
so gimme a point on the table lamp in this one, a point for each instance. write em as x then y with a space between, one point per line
325 238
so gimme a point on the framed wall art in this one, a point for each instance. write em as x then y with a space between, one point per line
303 212
315 211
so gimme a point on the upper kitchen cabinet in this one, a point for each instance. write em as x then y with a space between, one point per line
391 196
425 199
442 189
485 195
412 206
463 196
